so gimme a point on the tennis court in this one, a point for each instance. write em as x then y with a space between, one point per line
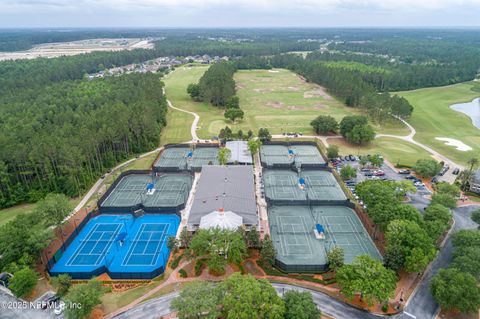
282 185
278 155
122 246
321 186
308 186
298 250
307 155
186 158
275 155
168 191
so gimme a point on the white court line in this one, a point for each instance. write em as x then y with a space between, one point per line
283 238
130 252
86 240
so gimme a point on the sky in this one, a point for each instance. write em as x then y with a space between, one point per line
238 13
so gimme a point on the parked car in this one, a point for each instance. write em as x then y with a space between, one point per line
404 171
456 171
379 173
365 170
369 173
60 308
434 180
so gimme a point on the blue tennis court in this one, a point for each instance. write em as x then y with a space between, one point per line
122 246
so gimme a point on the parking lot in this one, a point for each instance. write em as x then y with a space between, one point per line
419 199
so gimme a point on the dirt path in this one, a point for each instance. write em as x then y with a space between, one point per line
194 127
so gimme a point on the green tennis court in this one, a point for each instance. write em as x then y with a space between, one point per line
186 158
170 190
298 250
282 185
288 155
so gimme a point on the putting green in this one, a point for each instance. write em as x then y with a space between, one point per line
433 117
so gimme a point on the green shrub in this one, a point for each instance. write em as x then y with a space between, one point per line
385 308
174 263
183 273
199 265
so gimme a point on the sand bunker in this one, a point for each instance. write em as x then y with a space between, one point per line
273 71
459 145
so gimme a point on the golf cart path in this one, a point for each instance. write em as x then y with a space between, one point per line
196 118
409 138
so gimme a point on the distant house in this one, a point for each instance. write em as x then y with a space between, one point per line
475 182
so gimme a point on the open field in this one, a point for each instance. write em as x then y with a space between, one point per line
394 150
432 117
9 214
51 50
276 99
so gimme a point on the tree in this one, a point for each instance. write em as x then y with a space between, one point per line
193 90
427 167
332 151
465 238
408 246
453 289
246 297
253 238
300 305
336 258
324 124
467 259
268 252
233 102
447 188
219 247
185 237
444 199
87 295
172 243
254 146
233 114
368 277
264 135
349 122
376 160
63 283
199 299
54 208
437 212
225 134
224 155
473 162
348 172
476 216
23 282
361 134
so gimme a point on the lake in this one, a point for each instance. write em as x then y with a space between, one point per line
472 109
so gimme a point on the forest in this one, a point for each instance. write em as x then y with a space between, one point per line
60 137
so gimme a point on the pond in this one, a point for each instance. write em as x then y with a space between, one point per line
472 109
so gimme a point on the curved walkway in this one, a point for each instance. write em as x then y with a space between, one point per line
196 118
409 138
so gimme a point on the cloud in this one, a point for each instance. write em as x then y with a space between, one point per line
238 12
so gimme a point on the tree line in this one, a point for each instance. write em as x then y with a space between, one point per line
62 136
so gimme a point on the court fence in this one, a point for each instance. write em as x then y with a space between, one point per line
63 238
299 268
133 208
173 169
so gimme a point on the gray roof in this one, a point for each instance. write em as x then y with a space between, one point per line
476 177
229 187
240 152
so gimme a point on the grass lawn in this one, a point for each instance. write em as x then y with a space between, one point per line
394 150
9 214
276 99
432 117
115 300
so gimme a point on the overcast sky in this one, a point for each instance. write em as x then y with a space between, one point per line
237 13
